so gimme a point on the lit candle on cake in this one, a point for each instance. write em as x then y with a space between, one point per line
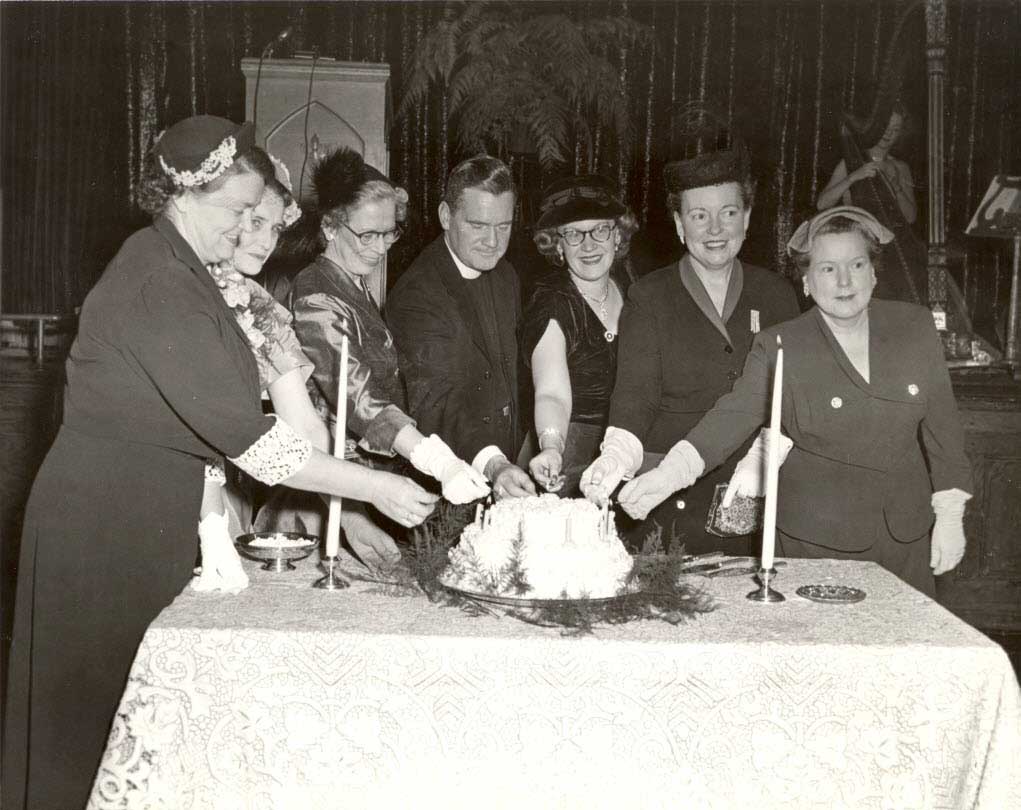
772 463
339 440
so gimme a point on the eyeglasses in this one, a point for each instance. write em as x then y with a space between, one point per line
368 238
575 236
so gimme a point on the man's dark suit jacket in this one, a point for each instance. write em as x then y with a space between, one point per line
461 369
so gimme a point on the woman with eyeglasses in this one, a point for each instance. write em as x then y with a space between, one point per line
569 329
685 332
355 220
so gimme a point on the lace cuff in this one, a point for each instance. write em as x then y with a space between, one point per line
277 455
215 473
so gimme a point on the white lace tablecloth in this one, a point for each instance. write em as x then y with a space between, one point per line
288 697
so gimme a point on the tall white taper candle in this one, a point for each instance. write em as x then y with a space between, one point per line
772 463
339 440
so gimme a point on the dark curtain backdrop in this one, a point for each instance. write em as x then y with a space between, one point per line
88 86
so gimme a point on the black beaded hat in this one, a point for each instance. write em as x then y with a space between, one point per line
339 176
199 149
708 152
572 199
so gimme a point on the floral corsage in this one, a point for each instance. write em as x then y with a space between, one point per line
234 289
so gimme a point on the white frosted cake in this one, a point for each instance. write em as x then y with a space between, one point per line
541 547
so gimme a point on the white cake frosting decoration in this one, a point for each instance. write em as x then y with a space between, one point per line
541 547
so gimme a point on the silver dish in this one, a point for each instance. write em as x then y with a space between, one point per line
831 594
276 558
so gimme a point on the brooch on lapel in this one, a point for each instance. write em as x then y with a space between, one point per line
913 390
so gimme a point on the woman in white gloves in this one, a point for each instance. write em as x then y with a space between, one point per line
866 404
356 218
685 332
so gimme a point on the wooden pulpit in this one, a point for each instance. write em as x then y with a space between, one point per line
307 107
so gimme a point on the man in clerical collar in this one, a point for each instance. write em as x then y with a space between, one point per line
454 313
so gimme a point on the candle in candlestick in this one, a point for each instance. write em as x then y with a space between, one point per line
772 462
339 440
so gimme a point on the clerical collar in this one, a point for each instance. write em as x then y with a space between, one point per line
465 271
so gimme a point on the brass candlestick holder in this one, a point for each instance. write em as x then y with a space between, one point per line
765 591
331 580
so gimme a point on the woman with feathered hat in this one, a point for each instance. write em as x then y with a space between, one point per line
685 332
356 218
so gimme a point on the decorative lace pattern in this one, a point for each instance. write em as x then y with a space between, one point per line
277 455
280 697
215 472
219 160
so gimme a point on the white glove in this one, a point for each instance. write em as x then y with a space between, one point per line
948 541
221 565
461 482
619 458
679 469
749 478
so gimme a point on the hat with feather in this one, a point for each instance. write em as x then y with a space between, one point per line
338 178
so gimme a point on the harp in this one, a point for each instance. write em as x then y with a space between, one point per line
905 261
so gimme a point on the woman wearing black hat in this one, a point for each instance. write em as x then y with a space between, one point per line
685 331
356 218
160 377
569 328
874 444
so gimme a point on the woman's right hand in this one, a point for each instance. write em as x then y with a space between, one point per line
863 172
545 468
402 500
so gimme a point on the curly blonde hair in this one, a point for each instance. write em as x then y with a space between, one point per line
547 240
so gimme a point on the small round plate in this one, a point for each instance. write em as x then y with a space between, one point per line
522 602
831 594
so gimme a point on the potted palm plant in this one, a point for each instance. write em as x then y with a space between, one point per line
517 73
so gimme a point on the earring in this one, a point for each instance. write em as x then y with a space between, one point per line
560 252
805 287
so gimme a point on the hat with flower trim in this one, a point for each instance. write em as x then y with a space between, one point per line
199 149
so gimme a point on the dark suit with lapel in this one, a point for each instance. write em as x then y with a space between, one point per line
677 356
461 369
857 473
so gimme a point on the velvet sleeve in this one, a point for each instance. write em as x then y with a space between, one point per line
546 305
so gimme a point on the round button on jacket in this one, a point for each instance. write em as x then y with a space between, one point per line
836 402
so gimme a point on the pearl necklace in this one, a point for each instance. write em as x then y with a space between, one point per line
603 312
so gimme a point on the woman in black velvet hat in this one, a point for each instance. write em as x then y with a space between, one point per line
569 329
161 377
685 332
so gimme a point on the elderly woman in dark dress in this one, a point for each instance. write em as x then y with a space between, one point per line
569 328
876 448
356 219
160 378
685 332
